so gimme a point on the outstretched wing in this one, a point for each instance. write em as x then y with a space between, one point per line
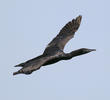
66 33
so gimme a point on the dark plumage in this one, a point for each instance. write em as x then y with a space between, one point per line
54 51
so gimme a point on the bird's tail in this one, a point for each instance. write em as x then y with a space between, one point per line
18 72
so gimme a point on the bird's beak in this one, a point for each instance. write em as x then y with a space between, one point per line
92 50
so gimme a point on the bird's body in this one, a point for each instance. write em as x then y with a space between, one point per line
54 50
35 64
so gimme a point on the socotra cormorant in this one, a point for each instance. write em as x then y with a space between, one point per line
54 50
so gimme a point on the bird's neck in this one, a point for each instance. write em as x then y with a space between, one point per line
73 54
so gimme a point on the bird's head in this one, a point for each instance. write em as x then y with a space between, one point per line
86 50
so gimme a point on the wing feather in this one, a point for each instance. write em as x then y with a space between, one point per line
65 34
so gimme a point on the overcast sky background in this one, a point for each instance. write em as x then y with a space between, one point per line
27 26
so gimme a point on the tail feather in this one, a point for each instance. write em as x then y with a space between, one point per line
18 72
23 71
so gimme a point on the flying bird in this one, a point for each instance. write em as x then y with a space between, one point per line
54 50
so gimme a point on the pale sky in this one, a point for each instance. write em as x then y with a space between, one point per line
27 26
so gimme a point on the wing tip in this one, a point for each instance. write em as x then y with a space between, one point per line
16 66
19 65
78 19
